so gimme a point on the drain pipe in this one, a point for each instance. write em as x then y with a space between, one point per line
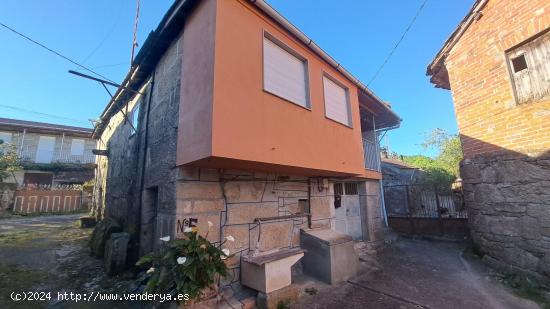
382 199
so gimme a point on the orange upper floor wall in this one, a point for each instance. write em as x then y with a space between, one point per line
234 123
488 116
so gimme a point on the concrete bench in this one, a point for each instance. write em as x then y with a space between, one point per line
269 272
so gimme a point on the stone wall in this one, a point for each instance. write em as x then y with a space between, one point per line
508 200
232 199
7 191
119 175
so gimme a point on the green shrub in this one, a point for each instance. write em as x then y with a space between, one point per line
185 266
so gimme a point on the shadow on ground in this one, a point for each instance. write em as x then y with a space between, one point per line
419 274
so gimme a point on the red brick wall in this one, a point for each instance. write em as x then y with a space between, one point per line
488 118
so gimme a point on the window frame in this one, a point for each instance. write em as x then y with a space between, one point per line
268 36
73 143
348 99
510 68
135 118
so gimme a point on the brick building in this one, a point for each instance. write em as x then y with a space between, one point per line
497 66
236 117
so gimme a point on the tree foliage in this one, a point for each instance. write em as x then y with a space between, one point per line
443 168
9 161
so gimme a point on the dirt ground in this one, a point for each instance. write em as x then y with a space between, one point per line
420 274
49 254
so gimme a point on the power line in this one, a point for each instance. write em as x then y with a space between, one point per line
53 51
398 42
42 114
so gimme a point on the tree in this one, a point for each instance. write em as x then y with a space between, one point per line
444 167
9 161
448 147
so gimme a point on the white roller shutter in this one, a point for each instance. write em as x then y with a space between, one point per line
284 74
336 102
77 147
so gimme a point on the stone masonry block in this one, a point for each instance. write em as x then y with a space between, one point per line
247 212
244 191
241 235
198 190
321 207
273 235
185 206
188 173
209 174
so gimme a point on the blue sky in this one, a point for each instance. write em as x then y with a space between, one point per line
359 34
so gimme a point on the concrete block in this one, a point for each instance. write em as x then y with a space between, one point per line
269 272
330 256
282 298
115 253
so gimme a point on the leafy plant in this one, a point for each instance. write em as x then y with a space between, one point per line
185 266
444 168
9 160
528 287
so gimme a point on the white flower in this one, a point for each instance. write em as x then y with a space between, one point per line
181 260
210 224
223 257
150 270
230 238
187 230
165 238
226 252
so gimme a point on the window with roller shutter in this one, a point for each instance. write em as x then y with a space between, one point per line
336 101
285 72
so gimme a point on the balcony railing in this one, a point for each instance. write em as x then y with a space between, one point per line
30 156
371 151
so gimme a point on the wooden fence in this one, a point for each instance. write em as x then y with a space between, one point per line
427 210
27 201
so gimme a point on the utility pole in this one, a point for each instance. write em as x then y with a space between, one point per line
134 39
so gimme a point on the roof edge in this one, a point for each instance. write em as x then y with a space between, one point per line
437 65
286 24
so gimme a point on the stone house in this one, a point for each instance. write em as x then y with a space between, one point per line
497 66
51 154
231 115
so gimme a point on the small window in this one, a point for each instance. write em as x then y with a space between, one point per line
135 116
338 189
529 65
77 147
285 72
351 188
346 188
519 63
336 101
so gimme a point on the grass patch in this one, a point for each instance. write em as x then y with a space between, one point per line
16 237
18 279
528 287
